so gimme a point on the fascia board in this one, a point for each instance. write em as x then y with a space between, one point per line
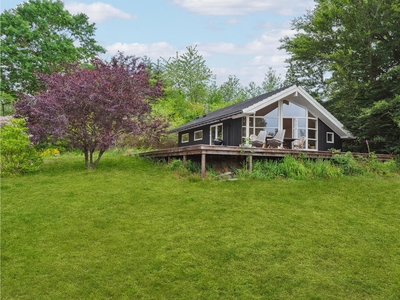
326 116
287 92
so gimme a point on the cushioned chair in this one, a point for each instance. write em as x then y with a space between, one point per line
259 140
299 144
277 140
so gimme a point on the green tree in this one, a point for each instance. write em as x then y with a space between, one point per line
189 73
271 81
174 107
7 104
347 53
39 36
253 90
232 91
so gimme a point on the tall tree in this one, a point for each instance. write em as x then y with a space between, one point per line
271 81
232 91
39 36
253 90
90 108
347 52
189 73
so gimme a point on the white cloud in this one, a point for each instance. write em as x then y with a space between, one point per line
153 51
252 60
233 21
249 61
97 12
243 7
267 43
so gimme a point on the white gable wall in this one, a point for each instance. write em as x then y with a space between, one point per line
299 96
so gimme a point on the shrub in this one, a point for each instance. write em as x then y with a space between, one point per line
176 165
49 152
17 154
384 168
347 163
193 167
322 169
293 168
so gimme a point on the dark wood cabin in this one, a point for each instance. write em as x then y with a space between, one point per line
290 108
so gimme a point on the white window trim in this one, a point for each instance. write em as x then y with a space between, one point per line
195 135
330 138
212 127
183 134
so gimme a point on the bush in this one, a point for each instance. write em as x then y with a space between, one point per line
293 168
175 165
322 169
193 167
347 163
383 168
17 154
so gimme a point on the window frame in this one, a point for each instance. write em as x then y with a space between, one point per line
214 130
198 139
330 137
184 135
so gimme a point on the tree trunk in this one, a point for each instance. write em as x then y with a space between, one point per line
98 158
86 159
91 159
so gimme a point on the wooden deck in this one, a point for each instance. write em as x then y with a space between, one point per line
204 150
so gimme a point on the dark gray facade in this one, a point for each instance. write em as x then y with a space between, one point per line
324 143
325 134
232 134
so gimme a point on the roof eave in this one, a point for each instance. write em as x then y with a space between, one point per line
206 122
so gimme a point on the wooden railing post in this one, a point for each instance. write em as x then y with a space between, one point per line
203 166
250 163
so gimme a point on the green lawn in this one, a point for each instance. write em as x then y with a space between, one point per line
135 230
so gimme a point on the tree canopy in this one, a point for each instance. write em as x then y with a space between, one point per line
91 108
40 36
189 73
347 53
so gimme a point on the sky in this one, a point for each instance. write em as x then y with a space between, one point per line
235 37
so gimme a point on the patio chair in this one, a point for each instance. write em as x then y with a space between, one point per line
299 143
277 140
259 140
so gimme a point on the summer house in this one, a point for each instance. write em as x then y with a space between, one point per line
289 109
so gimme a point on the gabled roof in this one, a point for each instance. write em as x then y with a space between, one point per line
226 112
293 93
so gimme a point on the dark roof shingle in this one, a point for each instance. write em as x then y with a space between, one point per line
225 112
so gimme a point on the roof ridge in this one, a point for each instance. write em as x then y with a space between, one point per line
227 111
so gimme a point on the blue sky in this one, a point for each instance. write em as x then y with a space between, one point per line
235 37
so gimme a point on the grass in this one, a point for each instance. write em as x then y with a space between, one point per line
135 230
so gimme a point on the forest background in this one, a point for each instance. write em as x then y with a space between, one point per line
346 54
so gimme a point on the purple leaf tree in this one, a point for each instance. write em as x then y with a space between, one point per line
91 107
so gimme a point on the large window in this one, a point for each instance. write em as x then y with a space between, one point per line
295 119
312 131
265 119
270 118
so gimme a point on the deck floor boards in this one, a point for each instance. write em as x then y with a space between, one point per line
240 151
